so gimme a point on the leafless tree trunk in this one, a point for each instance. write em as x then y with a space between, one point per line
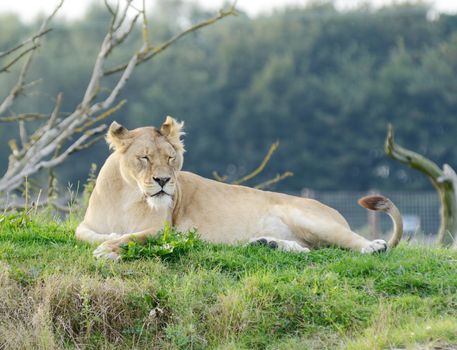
444 181
57 138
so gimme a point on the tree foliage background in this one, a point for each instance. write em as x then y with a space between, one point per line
322 82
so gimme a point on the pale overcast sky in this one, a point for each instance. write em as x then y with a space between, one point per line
28 9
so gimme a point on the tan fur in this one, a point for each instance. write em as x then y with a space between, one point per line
122 206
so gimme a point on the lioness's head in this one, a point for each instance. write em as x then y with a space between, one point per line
150 158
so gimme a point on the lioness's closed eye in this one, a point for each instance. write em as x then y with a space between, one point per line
141 186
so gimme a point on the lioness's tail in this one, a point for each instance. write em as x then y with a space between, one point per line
381 203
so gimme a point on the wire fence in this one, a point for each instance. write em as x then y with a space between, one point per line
419 209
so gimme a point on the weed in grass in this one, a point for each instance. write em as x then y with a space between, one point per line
167 244
17 220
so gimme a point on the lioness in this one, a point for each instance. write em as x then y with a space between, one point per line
141 186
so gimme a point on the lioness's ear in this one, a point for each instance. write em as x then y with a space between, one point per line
173 131
118 136
171 128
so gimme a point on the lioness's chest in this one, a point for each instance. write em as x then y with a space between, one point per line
137 217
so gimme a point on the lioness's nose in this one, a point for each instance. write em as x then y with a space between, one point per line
161 180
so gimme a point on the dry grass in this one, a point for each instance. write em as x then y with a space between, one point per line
69 309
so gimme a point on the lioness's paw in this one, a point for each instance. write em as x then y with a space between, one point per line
274 243
105 251
378 245
266 241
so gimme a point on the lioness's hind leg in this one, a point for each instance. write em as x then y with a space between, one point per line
327 231
281 244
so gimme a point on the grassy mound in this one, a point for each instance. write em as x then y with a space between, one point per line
54 294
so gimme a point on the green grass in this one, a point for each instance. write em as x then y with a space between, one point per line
168 244
54 294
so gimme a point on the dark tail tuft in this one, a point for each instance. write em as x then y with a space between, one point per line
375 202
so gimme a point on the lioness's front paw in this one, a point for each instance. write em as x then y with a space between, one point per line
378 245
107 250
114 235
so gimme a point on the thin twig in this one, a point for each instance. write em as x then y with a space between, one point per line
122 17
102 116
24 117
273 181
25 42
55 111
145 29
120 37
110 10
23 133
260 168
90 143
6 67
219 177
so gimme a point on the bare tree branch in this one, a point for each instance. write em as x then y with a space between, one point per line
20 84
18 88
145 30
218 177
260 168
17 58
113 38
151 52
102 116
73 148
49 145
110 10
441 180
90 143
448 175
276 179
23 133
257 171
17 179
24 117
25 42
55 112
